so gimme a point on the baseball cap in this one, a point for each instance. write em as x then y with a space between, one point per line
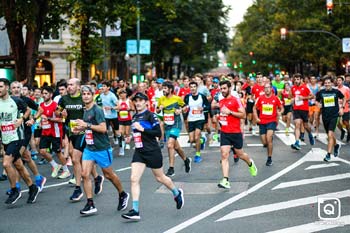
140 96
216 80
160 80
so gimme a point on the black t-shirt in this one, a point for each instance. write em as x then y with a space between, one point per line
329 100
146 140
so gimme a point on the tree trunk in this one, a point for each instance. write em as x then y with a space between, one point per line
25 53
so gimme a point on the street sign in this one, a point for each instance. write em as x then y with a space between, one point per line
145 46
346 45
115 30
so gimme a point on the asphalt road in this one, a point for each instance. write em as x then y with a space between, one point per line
289 196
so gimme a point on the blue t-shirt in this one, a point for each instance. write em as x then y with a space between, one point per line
109 100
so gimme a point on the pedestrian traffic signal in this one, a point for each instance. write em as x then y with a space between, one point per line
253 62
283 33
240 64
330 7
251 53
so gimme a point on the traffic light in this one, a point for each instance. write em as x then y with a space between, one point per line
330 7
240 64
235 65
251 53
283 33
253 62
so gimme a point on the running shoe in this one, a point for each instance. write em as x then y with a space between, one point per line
69 161
132 215
235 158
64 175
77 195
224 183
72 181
327 158
179 199
89 209
40 183
188 162
35 157
123 201
269 161
295 146
337 150
18 186
203 140
13 197
253 169
161 144
116 141
197 159
311 139
3 177
170 172
342 134
127 146
348 138
42 161
55 171
121 151
302 137
99 184
33 194
287 132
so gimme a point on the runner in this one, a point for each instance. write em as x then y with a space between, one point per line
331 110
270 107
51 134
125 106
171 105
287 105
196 104
314 110
11 121
147 153
257 91
346 114
185 90
231 111
301 94
70 107
98 150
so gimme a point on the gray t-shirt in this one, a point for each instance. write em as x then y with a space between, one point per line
95 141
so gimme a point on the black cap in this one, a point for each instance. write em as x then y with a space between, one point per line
140 96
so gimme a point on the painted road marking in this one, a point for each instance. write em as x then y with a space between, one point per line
288 140
257 144
280 206
311 181
316 226
325 165
322 137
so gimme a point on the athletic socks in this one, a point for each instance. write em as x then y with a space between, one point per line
53 163
135 205
175 192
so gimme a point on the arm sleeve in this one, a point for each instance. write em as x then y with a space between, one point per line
186 99
21 105
155 131
318 97
99 116
32 104
206 104
61 103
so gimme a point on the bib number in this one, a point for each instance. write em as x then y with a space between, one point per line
267 109
223 120
137 140
287 102
169 118
328 101
89 137
298 101
8 129
123 114
45 124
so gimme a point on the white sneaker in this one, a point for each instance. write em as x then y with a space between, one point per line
121 151
116 142
127 146
64 175
55 171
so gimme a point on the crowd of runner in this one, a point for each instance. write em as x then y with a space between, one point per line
80 125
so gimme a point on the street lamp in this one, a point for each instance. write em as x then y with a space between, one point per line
127 58
283 33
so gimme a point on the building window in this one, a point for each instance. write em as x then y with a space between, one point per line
52 35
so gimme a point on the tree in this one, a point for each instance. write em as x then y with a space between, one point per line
25 28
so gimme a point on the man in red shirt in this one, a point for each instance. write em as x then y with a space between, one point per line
301 94
231 112
346 115
256 91
151 94
267 105
185 90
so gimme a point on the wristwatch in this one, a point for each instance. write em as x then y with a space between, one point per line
88 125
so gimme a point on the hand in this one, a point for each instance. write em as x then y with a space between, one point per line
138 126
44 118
107 108
178 111
161 107
341 111
224 110
30 122
18 122
81 124
258 120
64 113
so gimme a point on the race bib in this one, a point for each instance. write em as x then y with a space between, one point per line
89 137
328 101
137 140
223 120
45 124
169 118
287 102
8 129
107 112
196 111
298 101
267 109
123 114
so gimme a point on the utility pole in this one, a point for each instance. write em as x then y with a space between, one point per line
138 57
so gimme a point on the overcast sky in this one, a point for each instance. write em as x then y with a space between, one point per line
238 9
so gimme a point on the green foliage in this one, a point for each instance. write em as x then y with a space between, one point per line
260 32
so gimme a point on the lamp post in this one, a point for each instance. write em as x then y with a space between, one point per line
127 58
138 57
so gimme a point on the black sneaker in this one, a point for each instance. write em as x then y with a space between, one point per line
188 163
179 199
13 197
3 177
77 195
98 184
235 158
89 209
337 150
33 193
132 215
269 162
123 201
302 137
342 134
170 172
348 138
